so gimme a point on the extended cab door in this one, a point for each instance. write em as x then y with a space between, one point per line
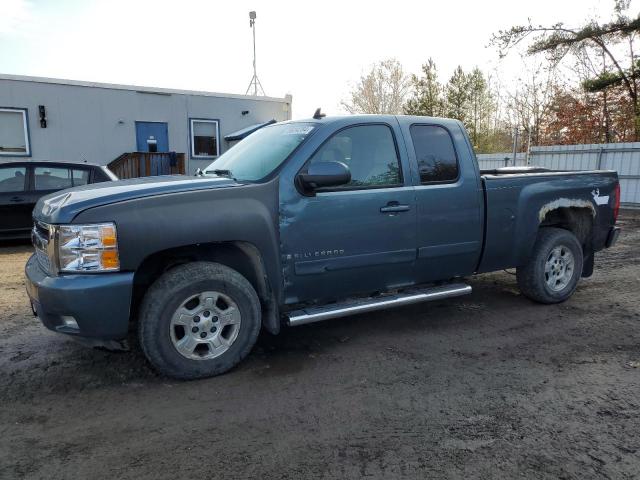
449 198
357 238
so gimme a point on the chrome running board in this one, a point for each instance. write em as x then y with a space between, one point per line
336 310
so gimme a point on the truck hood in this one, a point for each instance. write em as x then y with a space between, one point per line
63 206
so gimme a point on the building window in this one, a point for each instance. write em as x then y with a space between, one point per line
204 138
14 133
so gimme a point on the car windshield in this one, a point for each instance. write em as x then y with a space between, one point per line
260 153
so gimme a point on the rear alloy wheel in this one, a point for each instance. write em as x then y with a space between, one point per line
552 273
198 320
559 268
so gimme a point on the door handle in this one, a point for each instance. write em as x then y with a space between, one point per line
394 207
16 199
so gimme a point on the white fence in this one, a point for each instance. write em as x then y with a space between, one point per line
622 157
498 160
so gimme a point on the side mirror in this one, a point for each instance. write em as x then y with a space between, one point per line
325 174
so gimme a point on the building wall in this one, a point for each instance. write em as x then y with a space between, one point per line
97 123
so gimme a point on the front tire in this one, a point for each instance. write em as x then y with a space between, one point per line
552 273
198 320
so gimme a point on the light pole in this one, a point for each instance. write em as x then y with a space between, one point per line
515 145
255 82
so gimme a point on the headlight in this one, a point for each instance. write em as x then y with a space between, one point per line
88 248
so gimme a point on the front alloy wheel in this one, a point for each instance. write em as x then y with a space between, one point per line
205 326
198 320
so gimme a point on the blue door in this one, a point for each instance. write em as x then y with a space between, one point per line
152 137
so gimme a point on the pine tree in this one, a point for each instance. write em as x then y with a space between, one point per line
481 105
457 96
427 96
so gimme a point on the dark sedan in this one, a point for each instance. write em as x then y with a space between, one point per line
23 183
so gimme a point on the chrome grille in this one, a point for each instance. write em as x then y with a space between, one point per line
42 228
40 239
43 260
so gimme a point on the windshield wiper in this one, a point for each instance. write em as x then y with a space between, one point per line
221 173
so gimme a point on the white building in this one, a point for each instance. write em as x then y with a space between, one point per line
47 119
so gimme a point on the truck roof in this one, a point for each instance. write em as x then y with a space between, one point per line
379 117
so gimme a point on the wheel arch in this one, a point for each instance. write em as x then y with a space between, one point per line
578 220
242 256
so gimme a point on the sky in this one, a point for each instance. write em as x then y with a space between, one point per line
315 51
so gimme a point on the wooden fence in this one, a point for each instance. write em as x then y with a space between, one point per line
146 164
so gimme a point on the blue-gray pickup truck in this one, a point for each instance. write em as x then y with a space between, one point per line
305 221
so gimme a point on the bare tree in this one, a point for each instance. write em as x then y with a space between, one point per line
529 103
383 90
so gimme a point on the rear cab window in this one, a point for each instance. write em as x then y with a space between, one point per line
435 154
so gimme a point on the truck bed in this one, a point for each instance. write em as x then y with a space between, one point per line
518 199
514 170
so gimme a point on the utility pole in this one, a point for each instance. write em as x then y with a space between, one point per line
515 145
529 146
255 82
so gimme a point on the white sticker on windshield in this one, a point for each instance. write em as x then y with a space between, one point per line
298 130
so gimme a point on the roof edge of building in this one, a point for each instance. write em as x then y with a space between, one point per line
140 89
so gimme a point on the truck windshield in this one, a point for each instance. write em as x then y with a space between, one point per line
260 153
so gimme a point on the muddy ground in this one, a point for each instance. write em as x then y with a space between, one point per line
485 386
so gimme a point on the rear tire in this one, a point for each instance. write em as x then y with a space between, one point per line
198 320
552 273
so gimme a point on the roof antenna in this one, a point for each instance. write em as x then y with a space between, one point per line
318 115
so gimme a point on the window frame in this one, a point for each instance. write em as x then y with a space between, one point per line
27 133
355 187
192 146
415 154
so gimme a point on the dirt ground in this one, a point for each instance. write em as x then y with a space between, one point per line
485 386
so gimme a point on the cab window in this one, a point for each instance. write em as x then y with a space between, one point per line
370 153
435 154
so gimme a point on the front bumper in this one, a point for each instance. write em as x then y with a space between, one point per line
85 305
